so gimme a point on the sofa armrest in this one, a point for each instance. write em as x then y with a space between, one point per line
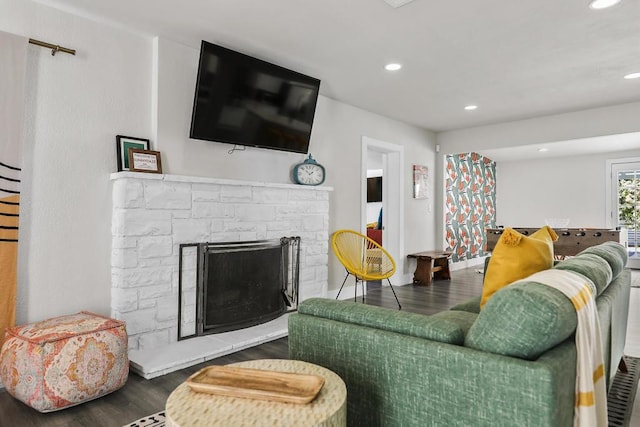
412 324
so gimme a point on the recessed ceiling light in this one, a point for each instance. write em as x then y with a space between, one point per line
632 76
470 107
392 67
542 150
603 4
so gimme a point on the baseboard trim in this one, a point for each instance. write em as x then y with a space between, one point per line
461 265
348 290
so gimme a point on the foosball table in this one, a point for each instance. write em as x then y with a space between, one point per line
571 241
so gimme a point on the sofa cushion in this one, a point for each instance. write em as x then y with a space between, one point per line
590 265
464 319
412 324
614 253
472 305
523 320
517 256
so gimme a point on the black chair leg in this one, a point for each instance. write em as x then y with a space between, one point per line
343 282
394 294
355 294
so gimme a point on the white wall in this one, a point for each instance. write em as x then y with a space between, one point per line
75 107
335 142
177 66
374 169
373 211
557 177
528 192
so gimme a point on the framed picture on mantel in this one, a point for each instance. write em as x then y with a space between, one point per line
123 143
144 161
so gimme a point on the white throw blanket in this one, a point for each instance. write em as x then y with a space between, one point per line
591 394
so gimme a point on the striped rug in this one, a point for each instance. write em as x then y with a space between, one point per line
622 393
153 420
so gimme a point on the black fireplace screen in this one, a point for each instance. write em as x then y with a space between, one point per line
243 284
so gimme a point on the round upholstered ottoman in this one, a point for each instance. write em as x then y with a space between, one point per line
188 408
64 361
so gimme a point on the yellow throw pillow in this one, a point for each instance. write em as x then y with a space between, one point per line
517 256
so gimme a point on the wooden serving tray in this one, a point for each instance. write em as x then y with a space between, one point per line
256 384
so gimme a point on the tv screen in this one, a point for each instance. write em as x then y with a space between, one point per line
374 189
246 101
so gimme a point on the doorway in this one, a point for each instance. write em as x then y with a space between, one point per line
625 203
374 196
391 162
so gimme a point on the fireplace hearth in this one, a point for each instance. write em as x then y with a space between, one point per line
238 284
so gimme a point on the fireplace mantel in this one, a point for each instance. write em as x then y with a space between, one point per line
207 180
152 214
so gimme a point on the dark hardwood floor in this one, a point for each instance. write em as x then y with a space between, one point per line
140 397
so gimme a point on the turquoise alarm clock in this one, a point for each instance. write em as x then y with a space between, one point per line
309 172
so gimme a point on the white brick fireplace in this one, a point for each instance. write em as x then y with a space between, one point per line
154 214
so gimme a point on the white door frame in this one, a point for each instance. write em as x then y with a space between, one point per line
613 166
611 189
392 198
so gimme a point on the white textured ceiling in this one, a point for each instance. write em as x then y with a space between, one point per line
514 59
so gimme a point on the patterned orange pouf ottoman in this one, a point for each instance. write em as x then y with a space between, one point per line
64 361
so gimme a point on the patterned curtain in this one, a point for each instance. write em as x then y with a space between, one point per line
470 204
13 52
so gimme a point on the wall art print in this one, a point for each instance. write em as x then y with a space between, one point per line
420 177
470 204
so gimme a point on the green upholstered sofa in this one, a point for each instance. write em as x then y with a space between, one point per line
511 364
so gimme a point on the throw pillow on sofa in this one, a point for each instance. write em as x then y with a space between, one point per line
517 256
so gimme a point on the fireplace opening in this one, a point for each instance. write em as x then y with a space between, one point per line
242 284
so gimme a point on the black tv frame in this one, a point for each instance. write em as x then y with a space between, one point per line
255 64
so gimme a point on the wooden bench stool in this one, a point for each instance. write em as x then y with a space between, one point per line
424 268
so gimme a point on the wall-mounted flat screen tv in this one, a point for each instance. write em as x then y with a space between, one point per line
246 101
374 189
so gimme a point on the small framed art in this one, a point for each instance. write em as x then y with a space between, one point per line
123 143
144 161
420 175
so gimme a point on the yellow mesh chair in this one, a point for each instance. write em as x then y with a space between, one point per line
363 258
